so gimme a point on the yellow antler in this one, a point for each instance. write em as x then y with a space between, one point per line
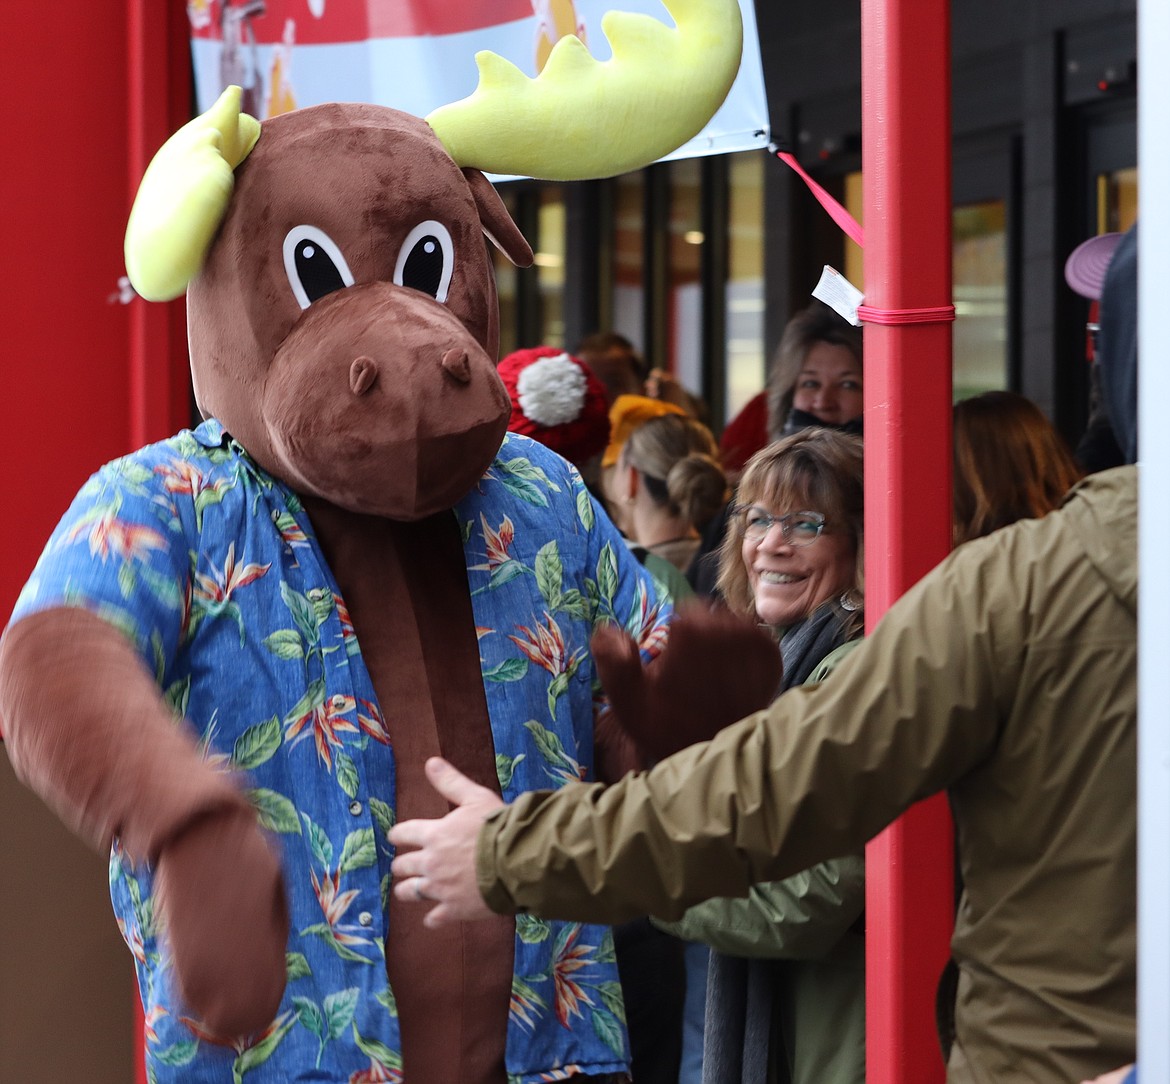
583 118
183 197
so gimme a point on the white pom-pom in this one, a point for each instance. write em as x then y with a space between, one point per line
551 390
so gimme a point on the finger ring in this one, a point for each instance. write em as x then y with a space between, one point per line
418 892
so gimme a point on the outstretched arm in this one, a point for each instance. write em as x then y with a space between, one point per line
87 729
817 774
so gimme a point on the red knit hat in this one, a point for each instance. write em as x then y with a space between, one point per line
556 400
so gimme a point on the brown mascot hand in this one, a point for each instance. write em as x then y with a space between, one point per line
222 899
715 669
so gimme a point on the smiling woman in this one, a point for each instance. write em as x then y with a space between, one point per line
786 987
793 543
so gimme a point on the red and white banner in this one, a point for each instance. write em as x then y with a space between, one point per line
416 55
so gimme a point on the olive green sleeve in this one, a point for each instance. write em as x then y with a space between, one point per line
816 775
799 918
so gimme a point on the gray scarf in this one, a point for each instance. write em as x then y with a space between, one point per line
738 1025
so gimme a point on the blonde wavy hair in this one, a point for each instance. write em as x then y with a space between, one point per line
679 462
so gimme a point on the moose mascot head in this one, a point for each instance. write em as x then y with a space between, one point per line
343 314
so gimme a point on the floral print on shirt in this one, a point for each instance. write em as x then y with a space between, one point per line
210 566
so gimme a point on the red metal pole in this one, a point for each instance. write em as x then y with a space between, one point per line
158 102
906 141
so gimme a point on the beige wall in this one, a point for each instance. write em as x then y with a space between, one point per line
66 982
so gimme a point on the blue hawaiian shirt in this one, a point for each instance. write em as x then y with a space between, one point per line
210 567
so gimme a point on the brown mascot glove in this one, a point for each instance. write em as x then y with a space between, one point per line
87 729
219 888
715 669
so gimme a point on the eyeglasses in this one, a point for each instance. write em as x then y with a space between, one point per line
798 528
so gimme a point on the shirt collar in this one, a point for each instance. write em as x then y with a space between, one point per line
211 434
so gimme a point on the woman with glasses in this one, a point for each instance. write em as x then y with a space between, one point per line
786 986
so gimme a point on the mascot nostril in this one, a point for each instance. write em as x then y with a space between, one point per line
457 365
362 375
389 432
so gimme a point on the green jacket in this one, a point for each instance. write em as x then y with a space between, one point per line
1008 676
807 926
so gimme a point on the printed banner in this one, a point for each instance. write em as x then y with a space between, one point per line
416 55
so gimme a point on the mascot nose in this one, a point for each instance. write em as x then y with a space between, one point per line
456 364
362 375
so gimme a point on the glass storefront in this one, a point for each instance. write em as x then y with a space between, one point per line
979 270
746 362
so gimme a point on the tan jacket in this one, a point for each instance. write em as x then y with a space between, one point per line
1007 675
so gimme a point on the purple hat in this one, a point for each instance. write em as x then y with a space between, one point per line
1085 268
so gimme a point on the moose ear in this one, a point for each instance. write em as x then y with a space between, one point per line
497 223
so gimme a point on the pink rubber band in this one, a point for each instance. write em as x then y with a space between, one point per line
942 314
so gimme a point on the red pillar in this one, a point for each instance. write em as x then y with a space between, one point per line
158 386
64 411
906 141
158 103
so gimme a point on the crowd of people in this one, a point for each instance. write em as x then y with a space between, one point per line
1006 677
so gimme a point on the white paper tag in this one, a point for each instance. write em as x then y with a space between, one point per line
836 291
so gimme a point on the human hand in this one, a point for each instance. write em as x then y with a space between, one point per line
715 669
442 867
221 894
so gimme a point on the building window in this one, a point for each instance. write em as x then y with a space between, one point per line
1117 200
683 353
532 298
549 262
746 364
507 280
627 273
979 270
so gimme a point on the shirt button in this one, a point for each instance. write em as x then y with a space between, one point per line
355 808
338 701
366 919
275 515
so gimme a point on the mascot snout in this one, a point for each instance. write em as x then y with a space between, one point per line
381 400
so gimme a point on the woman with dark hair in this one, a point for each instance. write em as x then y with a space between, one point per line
1010 464
816 375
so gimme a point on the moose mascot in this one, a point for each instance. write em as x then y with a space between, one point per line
241 644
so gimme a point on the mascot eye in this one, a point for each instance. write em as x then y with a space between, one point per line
314 264
426 260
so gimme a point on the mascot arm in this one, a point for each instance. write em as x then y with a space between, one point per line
87 729
714 669
615 753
